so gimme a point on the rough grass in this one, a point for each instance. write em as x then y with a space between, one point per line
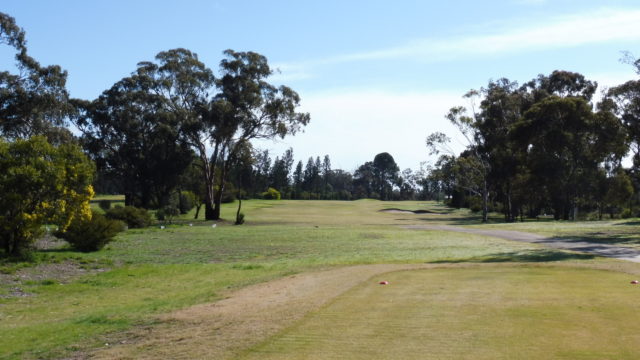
511 312
155 271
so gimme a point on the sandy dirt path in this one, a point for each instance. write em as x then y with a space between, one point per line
612 251
247 317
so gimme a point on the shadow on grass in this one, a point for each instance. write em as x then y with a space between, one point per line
629 223
522 256
414 211
601 238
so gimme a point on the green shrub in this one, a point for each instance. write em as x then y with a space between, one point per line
167 213
91 235
271 194
475 203
160 216
104 204
187 201
626 213
134 217
228 197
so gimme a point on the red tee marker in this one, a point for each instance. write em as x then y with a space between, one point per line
634 282
383 283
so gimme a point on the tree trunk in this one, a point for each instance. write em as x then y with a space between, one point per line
600 211
209 211
217 203
238 212
485 200
210 181
197 211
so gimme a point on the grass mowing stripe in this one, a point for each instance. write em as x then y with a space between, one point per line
472 313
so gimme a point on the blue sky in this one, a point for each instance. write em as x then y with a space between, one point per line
375 75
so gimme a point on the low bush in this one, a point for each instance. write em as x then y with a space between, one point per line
91 235
187 201
167 213
271 194
104 204
134 217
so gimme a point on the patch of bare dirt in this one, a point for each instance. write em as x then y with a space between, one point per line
247 317
48 242
61 273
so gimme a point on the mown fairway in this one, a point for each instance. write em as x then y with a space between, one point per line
495 312
151 272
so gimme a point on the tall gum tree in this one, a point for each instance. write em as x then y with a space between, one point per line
217 117
247 107
33 101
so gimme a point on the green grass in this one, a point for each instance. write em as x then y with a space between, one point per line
154 271
516 312
60 318
115 200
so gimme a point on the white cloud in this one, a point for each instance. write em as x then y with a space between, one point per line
353 126
593 27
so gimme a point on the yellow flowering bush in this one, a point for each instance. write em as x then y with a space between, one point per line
40 184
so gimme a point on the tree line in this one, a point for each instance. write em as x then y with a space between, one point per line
317 180
174 126
544 147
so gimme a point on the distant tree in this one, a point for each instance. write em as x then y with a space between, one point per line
502 106
341 183
363 180
472 168
566 142
407 184
261 171
312 176
385 171
625 103
298 179
619 192
40 184
280 173
326 174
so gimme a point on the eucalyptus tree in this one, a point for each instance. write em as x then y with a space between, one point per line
33 101
217 118
385 172
566 143
363 180
625 101
136 139
471 170
245 108
501 107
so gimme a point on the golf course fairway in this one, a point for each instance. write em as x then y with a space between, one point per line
483 312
